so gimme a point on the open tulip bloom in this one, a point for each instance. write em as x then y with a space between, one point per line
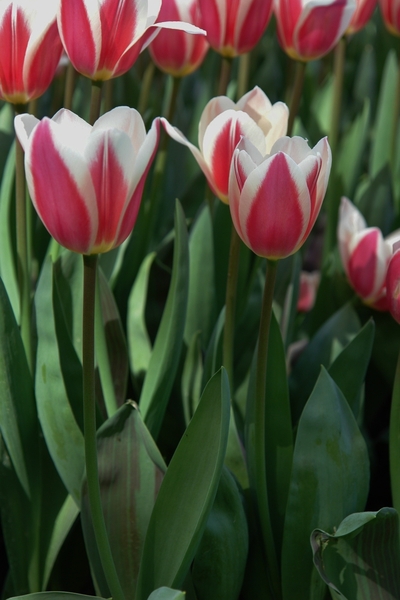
275 199
86 182
30 48
309 29
103 38
221 127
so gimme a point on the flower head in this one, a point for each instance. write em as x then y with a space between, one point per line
86 182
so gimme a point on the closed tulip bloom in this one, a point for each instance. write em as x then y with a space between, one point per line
30 48
234 26
361 16
103 38
309 29
309 283
86 182
393 284
365 255
390 10
223 123
275 199
177 52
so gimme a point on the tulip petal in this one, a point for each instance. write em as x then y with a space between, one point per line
369 257
350 222
245 159
250 22
14 34
24 125
80 42
393 286
213 108
274 207
125 119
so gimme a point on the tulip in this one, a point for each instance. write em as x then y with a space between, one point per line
275 200
103 38
365 255
308 30
309 283
393 284
221 126
234 27
390 10
30 48
86 182
176 52
361 16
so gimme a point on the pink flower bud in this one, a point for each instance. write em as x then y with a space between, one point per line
309 283
393 284
361 16
390 10
86 182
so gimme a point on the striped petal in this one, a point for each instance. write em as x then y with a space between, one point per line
393 286
350 223
213 108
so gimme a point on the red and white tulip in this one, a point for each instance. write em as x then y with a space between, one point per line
223 123
365 255
275 199
309 29
390 10
30 48
103 38
361 16
86 182
309 282
393 283
177 52
234 27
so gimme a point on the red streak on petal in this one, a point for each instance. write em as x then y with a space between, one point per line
118 26
78 37
225 144
14 35
111 193
312 180
363 265
211 22
253 25
56 196
44 63
319 32
275 221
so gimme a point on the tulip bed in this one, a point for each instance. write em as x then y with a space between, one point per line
199 299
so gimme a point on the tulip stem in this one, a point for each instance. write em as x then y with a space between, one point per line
23 264
230 305
261 489
338 70
225 75
95 102
243 75
70 77
296 94
394 440
89 415
145 87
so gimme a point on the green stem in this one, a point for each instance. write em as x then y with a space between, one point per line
225 75
23 253
296 94
394 440
89 415
146 87
338 71
243 75
69 86
230 305
396 113
95 101
103 361
261 489
108 95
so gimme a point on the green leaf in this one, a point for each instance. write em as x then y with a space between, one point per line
374 198
191 377
360 561
213 357
167 347
164 593
56 596
351 150
138 339
381 147
201 299
187 492
330 478
63 436
130 473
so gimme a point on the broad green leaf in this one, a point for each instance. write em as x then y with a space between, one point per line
322 349
191 377
381 146
167 346
352 149
330 479
187 493
350 367
56 596
165 593
201 299
219 565
8 268
360 561
374 198
63 436
289 311
213 357
139 343
394 440
130 473
321 107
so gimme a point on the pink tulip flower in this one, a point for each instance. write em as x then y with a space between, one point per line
309 283
103 38
361 16
86 182
309 29
30 49
275 199
390 10
365 255
234 26
221 126
393 283
176 52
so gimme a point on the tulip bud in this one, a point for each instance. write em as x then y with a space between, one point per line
391 15
30 48
275 199
309 283
309 30
86 182
361 16
393 283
